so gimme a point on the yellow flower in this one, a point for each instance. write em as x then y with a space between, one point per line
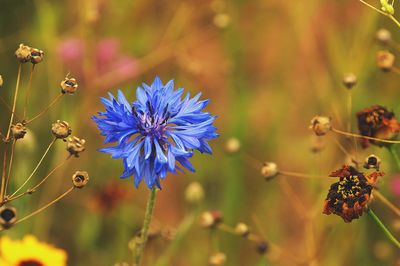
30 252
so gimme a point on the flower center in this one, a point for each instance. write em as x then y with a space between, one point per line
30 262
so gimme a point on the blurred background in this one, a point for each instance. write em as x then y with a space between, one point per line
268 68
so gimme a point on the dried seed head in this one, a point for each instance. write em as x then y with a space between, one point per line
372 162
194 193
61 129
385 60
1 81
80 179
242 229
36 56
75 145
269 170
23 53
18 131
232 145
210 218
321 125
217 259
349 80
8 216
69 85
383 36
262 247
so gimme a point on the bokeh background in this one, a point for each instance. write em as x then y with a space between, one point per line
268 68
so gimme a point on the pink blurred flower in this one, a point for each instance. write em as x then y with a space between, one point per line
395 185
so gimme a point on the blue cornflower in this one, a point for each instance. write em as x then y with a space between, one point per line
156 131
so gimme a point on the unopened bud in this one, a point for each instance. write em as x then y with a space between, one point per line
349 80
23 53
8 216
61 129
385 60
69 85
242 229
36 56
75 145
210 218
269 170
383 36
18 131
232 145
372 162
80 179
217 259
194 193
321 125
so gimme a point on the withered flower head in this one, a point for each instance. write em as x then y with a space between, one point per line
383 36
377 122
321 125
75 145
242 229
349 80
269 170
23 53
36 56
385 60
80 179
372 162
18 131
210 218
61 129
8 216
69 85
350 196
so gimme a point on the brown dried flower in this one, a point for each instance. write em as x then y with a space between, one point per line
69 85
321 125
23 53
385 60
36 56
18 131
8 216
75 145
80 179
61 129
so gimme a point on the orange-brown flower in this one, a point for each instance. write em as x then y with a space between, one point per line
377 122
349 197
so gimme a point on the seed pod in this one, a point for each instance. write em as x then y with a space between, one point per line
385 60
210 218
232 145
23 53
75 145
36 56
80 179
372 162
8 216
194 193
217 259
269 170
1 81
242 229
69 85
18 131
61 129
321 125
383 36
349 80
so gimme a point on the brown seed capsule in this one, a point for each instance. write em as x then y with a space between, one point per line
8 216
1 81
349 80
262 247
232 145
372 162
18 131
75 145
217 259
194 193
23 53
210 218
269 170
80 179
321 125
61 129
69 85
242 229
385 60
36 56
383 36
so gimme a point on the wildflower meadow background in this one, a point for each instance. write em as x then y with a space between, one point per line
266 67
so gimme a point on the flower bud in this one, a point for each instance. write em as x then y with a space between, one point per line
1 81
383 36
18 131
372 162
262 247
194 193
242 229
8 216
80 179
349 80
61 129
210 218
36 56
385 60
232 145
69 85
75 145
23 53
217 259
321 125
269 170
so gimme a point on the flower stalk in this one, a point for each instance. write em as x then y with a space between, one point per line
383 228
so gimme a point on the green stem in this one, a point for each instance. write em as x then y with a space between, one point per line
384 229
395 155
141 242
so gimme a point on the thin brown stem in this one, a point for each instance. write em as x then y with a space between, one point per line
37 166
3 174
9 108
364 137
10 166
385 201
301 175
14 102
28 90
44 111
226 228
